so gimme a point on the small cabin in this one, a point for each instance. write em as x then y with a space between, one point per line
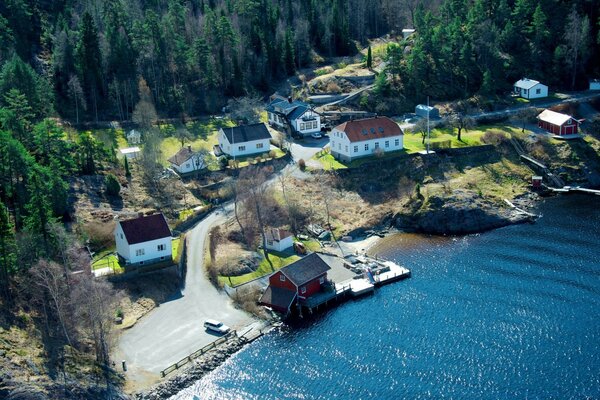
595 84
130 152
530 89
279 240
423 110
557 123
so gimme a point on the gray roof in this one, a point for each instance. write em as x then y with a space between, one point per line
246 133
305 269
278 298
284 106
526 83
298 112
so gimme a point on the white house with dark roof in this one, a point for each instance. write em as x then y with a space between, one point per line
279 239
186 160
245 140
365 137
530 89
143 240
296 114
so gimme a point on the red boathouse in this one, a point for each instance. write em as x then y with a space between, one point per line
295 283
557 123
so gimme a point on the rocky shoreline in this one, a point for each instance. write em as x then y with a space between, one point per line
200 367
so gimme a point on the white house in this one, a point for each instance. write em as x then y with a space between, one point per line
530 89
299 116
186 160
365 137
594 84
143 240
245 140
278 239
134 137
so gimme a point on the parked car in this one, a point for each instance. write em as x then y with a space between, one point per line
216 326
316 135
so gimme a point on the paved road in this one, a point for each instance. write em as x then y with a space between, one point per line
307 148
174 329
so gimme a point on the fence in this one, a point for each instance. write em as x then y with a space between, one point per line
197 354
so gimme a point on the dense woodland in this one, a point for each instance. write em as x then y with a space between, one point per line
93 60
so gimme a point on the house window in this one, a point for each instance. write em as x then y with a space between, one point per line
259 145
242 148
346 149
339 146
282 277
139 252
538 91
367 146
322 280
397 142
187 165
356 149
121 236
161 247
387 144
270 243
376 145
302 126
315 124
303 289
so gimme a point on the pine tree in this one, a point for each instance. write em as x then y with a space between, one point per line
7 253
89 61
127 172
369 58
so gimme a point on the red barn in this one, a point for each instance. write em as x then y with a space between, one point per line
296 282
557 123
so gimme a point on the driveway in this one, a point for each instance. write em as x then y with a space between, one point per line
175 329
306 148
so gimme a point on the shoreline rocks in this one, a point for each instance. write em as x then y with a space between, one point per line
199 367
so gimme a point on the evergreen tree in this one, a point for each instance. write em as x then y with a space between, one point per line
7 253
89 62
369 58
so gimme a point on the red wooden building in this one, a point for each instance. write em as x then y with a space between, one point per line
557 123
295 282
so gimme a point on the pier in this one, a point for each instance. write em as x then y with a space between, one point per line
574 189
351 277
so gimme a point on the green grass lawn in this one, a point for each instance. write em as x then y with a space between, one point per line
279 260
251 159
107 259
175 248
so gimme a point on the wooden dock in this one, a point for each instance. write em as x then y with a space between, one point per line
574 189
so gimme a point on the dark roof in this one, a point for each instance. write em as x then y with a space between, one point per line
182 156
305 269
298 112
246 133
145 229
277 234
277 297
369 128
284 106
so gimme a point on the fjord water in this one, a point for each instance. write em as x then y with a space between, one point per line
512 313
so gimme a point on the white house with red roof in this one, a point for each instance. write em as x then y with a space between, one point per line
365 137
279 239
143 240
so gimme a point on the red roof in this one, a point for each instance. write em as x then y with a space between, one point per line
360 130
145 229
277 234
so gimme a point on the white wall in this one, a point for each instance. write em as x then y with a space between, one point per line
189 166
252 147
275 119
340 145
281 245
297 123
532 93
122 245
128 252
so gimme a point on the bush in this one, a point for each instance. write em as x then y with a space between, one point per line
112 185
301 164
272 154
493 136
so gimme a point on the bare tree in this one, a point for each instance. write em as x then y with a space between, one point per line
183 135
144 113
76 92
525 116
577 40
245 109
460 121
420 127
49 277
253 182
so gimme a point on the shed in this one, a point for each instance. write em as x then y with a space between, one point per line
130 152
557 123
422 110
407 32
595 84
530 89
134 137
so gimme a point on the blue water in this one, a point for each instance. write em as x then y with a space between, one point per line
513 313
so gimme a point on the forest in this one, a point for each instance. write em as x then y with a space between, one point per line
86 61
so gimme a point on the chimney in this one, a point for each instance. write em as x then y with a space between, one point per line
189 147
290 99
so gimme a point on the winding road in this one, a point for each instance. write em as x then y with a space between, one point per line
175 329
